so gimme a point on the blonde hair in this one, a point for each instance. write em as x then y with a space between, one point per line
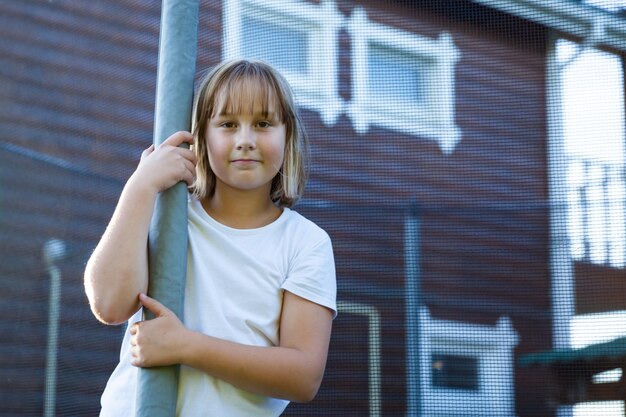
233 85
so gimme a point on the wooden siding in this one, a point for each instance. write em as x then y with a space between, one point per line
78 85
599 288
41 200
76 108
483 208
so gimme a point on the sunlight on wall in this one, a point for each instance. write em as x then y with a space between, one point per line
600 409
587 329
593 108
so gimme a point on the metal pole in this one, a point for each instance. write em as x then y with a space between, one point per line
413 302
157 387
53 251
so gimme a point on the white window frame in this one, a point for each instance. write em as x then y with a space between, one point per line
492 346
317 89
435 119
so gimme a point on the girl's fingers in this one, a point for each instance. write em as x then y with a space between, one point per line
153 305
190 173
191 165
167 164
179 138
188 155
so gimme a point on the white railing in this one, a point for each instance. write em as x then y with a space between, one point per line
596 209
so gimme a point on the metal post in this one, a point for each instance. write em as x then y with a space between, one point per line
157 387
53 251
413 302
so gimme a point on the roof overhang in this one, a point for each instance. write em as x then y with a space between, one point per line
591 24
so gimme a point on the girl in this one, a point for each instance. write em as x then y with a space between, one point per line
260 291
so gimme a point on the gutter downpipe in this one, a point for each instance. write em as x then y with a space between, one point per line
53 251
412 305
157 387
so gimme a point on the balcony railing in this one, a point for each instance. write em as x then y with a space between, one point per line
596 225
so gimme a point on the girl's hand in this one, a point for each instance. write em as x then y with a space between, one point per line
156 342
168 164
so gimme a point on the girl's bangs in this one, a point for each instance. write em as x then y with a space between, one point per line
248 92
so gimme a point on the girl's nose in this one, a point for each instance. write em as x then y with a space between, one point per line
245 140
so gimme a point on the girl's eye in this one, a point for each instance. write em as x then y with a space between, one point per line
227 125
264 124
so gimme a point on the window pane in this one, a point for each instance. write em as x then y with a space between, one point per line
455 371
282 46
395 75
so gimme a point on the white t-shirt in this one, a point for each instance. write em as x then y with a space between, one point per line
234 291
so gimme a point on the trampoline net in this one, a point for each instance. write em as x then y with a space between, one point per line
466 162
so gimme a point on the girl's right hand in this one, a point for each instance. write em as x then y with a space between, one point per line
168 164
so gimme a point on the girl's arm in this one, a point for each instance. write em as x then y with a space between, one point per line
293 370
117 271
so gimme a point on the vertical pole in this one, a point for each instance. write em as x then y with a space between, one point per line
157 387
413 302
563 291
53 251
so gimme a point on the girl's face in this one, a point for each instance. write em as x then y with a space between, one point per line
246 146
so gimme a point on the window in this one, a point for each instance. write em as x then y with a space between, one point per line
400 80
454 371
403 81
299 39
469 367
290 54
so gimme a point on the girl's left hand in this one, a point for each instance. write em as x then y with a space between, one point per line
156 342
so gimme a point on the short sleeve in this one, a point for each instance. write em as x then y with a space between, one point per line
311 273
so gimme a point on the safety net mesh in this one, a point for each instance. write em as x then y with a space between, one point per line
466 160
